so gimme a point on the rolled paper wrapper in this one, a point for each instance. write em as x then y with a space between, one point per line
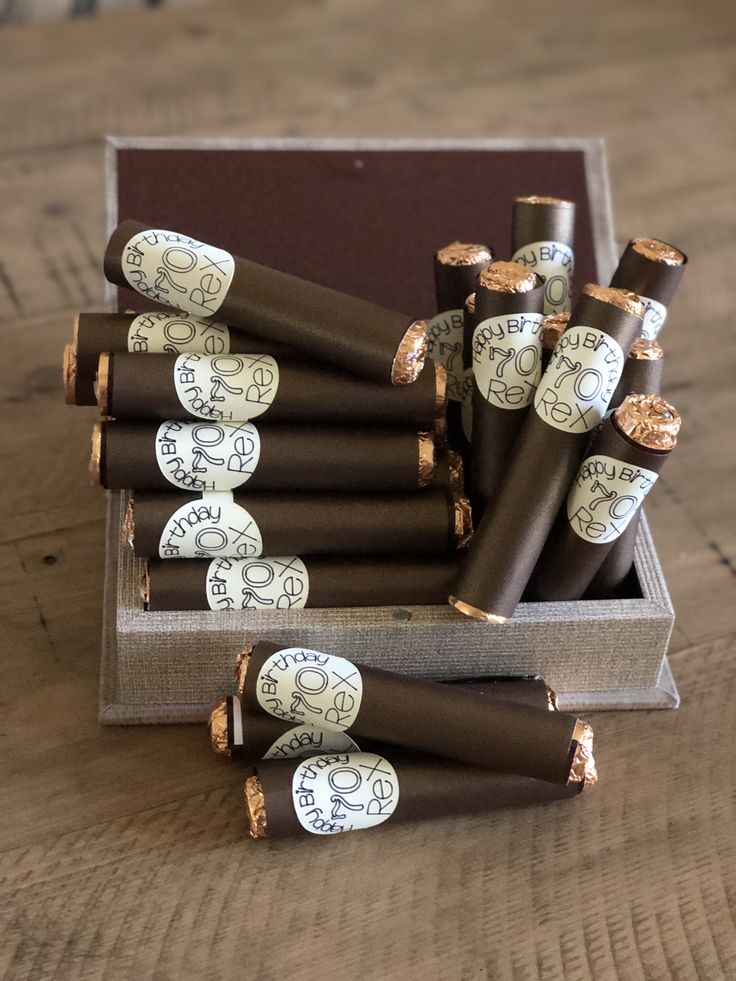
156 332
205 456
607 492
242 387
331 794
330 692
542 235
553 327
289 582
182 272
232 525
653 270
507 367
570 401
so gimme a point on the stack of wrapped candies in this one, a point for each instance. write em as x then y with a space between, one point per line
347 490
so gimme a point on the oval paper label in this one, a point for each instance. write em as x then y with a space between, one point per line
207 456
655 314
309 741
173 333
507 359
211 527
344 792
445 346
555 261
277 583
226 387
605 496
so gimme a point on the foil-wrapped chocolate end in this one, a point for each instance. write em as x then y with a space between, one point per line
583 763
102 384
255 807
472 611
410 354
470 303
218 729
539 199
440 414
463 521
241 669
145 586
69 374
457 472
426 459
551 698
656 251
96 454
649 421
509 277
464 254
645 349
623 299
127 529
553 327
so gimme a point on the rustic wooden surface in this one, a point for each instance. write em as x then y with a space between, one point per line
121 851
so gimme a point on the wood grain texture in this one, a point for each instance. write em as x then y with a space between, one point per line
122 851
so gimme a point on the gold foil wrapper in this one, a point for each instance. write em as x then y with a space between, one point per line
656 251
102 384
464 254
440 405
539 199
457 472
410 354
255 807
583 769
644 349
218 729
509 277
69 374
128 525
623 299
553 327
96 454
463 521
470 303
649 421
551 698
426 459
241 669
145 586
472 611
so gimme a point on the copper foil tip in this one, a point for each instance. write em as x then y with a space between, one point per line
551 698
583 764
410 354
218 728
463 521
241 669
128 525
623 299
102 383
470 303
652 248
553 327
509 277
457 472
473 611
644 349
145 586
464 254
426 459
440 413
538 199
649 421
69 374
96 454
255 807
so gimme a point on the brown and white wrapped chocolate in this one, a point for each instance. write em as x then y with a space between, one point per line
174 269
207 456
611 484
311 687
507 367
290 582
570 401
653 270
227 524
542 236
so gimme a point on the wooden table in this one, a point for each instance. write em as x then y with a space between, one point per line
122 851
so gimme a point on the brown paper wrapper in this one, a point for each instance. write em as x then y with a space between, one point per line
647 277
542 220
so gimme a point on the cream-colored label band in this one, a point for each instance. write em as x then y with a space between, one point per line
555 261
178 270
507 359
605 496
344 792
580 380
655 314
207 456
309 741
277 583
310 687
466 412
213 527
226 387
174 333
445 346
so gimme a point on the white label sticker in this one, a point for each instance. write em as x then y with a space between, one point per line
555 261
212 527
445 346
344 792
178 270
309 741
201 456
605 496
507 359
580 379
173 333
466 412
226 387
277 583
655 314
310 687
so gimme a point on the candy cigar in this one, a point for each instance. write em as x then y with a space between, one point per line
542 236
290 582
653 270
224 524
607 492
202 456
309 687
204 280
570 401
507 366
